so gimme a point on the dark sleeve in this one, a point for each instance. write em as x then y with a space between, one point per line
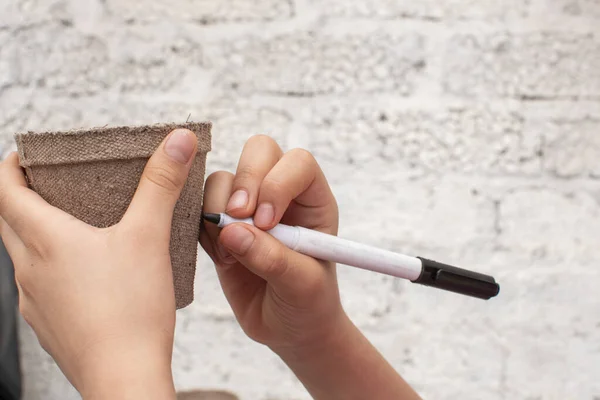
10 374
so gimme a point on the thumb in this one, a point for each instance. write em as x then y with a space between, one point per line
293 275
163 179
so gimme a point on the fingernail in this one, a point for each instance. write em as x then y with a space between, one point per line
180 145
264 214
238 200
224 255
237 239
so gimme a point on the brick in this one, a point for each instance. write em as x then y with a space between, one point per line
16 13
66 61
40 116
221 354
308 64
519 330
14 106
235 124
37 113
368 310
533 65
6 70
549 226
425 9
480 140
142 62
572 148
577 8
201 11
548 355
529 316
463 357
440 216
543 293
58 59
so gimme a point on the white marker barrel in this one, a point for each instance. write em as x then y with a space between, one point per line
332 248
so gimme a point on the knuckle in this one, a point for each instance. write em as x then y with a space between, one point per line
164 177
315 286
275 261
262 139
218 176
245 173
272 187
303 157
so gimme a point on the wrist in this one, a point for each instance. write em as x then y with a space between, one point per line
127 372
334 368
337 337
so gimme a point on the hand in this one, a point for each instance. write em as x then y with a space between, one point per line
281 298
101 301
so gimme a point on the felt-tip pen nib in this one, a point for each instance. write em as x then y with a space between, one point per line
214 218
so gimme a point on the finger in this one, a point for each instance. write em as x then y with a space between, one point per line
163 179
217 191
217 253
290 273
298 177
208 245
238 283
20 207
259 155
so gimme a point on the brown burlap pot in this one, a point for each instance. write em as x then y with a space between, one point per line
93 175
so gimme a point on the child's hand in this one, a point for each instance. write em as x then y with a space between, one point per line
284 299
281 298
101 301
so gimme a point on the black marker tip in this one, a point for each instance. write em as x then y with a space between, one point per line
214 218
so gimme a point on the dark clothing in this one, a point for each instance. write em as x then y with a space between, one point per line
10 374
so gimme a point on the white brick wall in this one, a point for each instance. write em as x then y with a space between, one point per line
471 127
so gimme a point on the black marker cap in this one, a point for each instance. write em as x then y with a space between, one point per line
457 280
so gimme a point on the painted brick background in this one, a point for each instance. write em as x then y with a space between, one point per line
471 127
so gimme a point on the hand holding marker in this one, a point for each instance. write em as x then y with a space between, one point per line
416 269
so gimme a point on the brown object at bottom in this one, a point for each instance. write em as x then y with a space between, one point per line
206 395
93 175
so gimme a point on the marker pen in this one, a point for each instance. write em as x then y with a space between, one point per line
416 269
